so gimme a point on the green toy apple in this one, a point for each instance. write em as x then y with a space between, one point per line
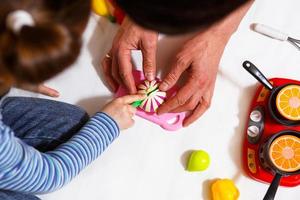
199 161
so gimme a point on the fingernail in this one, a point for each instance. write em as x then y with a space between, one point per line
149 76
163 86
55 93
185 124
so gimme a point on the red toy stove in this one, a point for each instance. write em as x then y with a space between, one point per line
260 127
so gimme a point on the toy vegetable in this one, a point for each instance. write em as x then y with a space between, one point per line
108 9
198 161
224 189
100 7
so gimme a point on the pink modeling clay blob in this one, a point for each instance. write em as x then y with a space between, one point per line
168 121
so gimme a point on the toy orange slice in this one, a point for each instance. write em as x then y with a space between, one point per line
288 102
284 153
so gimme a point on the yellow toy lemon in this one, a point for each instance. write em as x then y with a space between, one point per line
224 189
100 7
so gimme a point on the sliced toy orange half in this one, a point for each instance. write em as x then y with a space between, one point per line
284 153
288 102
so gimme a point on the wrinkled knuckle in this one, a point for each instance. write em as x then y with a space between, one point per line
148 65
150 44
123 75
181 61
121 46
180 101
171 78
190 106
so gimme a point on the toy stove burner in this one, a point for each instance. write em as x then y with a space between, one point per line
262 160
261 126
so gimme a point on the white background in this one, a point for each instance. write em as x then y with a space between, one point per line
146 162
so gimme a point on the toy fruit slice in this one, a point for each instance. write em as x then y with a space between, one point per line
224 189
198 161
284 153
288 102
154 98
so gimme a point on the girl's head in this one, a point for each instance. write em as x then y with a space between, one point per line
177 16
47 43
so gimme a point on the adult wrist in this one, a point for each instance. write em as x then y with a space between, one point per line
228 25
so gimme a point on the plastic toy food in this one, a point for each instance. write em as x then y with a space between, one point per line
224 189
198 161
168 121
285 153
288 102
100 7
108 9
154 98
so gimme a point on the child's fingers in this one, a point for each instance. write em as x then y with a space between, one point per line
131 122
47 91
128 99
131 109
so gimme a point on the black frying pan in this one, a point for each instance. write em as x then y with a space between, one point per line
254 71
278 173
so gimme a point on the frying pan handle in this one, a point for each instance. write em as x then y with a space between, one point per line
252 69
270 195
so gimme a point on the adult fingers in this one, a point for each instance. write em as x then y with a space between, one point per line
115 69
107 72
128 99
47 91
179 66
182 96
148 49
125 70
190 105
200 109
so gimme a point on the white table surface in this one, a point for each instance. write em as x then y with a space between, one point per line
146 162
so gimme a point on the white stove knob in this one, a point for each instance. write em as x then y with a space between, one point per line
253 131
256 116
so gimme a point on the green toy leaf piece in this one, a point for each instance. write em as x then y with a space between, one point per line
137 103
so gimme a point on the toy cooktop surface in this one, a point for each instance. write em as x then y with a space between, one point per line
260 127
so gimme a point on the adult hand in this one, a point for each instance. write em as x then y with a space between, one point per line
199 58
40 88
117 65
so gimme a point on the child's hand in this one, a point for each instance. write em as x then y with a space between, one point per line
40 88
121 110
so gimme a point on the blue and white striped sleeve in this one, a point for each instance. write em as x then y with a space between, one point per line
25 169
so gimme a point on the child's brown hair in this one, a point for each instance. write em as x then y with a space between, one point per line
38 52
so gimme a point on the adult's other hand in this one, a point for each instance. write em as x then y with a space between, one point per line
117 65
200 58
